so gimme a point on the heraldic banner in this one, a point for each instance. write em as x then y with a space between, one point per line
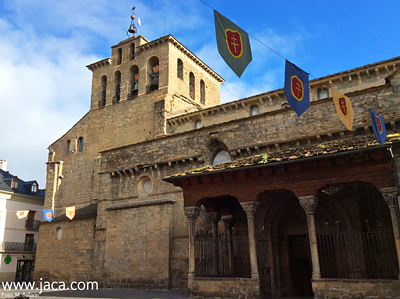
70 212
296 88
233 44
378 126
22 214
48 215
344 109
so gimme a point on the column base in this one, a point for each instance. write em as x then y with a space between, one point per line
255 276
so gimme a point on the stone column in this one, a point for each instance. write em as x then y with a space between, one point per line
227 219
214 218
391 198
250 208
309 205
191 213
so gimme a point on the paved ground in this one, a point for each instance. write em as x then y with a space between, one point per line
103 293
109 293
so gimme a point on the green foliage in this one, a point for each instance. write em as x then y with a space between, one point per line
263 159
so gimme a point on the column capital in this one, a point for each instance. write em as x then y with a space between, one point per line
192 213
389 195
250 207
213 216
308 203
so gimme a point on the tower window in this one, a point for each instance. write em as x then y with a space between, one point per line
117 86
191 86
134 82
59 233
180 69
202 92
103 91
153 73
119 56
80 144
68 147
132 51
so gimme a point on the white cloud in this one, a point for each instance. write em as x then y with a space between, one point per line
45 89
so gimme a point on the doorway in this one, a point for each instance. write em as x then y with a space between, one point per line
24 270
300 266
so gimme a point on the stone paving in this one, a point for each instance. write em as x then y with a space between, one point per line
101 293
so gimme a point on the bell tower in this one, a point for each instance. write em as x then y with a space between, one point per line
158 79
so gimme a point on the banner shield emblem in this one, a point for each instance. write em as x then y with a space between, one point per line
70 212
48 215
297 88
234 42
342 104
379 124
22 214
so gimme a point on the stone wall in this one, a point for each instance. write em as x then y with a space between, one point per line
357 289
138 244
227 288
268 132
68 259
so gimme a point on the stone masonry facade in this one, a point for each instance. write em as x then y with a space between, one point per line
139 237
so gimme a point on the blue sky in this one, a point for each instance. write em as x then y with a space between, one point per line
46 44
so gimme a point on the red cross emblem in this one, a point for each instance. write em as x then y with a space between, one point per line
342 105
234 42
379 124
296 86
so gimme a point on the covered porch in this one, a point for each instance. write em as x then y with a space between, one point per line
289 225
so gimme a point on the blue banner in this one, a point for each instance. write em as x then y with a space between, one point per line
378 126
48 214
296 88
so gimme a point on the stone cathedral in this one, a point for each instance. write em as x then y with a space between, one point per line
173 189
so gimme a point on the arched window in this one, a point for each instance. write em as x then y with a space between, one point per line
323 93
34 187
59 233
254 110
197 124
68 147
153 73
117 86
222 157
132 51
103 91
134 82
202 92
119 56
80 144
180 69
191 86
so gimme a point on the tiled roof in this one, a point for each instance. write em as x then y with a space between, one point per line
24 187
323 149
84 213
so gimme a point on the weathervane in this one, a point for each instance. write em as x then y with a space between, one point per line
132 28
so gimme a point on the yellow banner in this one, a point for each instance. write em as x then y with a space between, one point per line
70 212
22 214
344 108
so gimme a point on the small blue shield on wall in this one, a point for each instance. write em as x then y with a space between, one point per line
48 214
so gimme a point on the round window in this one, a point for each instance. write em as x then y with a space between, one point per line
145 185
